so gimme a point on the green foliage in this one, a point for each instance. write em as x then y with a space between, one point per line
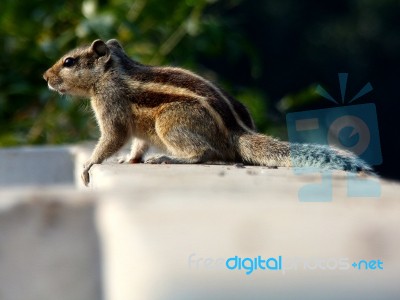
295 101
255 102
35 33
267 53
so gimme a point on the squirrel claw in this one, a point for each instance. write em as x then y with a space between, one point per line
85 174
122 160
162 159
85 177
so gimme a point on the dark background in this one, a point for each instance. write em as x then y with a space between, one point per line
268 54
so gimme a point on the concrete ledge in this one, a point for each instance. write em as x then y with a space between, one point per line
48 245
176 247
170 219
165 232
36 166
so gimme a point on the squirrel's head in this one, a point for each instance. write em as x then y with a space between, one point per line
77 72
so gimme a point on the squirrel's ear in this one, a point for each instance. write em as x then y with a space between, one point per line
100 48
114 43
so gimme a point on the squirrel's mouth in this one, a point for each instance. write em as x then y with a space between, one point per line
61 91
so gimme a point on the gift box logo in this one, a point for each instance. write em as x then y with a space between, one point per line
349 127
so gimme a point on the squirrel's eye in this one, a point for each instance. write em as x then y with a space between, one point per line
69 62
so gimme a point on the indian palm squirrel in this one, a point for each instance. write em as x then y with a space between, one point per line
187 117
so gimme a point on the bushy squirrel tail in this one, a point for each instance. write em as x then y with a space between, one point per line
259 149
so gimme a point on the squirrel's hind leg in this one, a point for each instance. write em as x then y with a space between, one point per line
138 149
194 138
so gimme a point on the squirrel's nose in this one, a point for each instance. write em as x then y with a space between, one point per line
45 76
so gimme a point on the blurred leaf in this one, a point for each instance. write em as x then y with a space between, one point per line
265 50
298 100
255 101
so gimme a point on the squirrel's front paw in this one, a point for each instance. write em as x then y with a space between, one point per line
122 159
85 177
85 174
129 160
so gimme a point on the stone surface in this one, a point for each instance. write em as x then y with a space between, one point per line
49 245
36 166
165 231
173 225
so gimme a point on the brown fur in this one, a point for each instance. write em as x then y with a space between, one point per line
179 112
